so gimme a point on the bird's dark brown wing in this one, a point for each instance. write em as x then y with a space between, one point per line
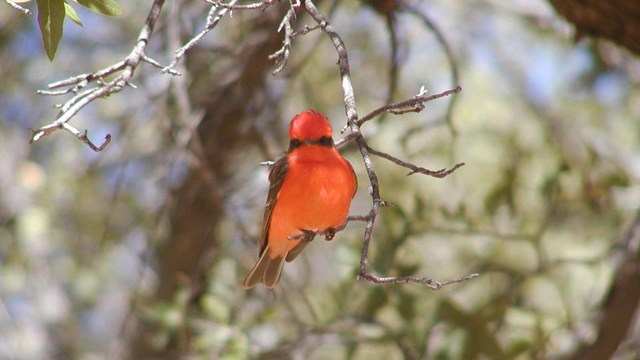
276 178
354 177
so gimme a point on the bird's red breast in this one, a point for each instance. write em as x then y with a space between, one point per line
311 189
315 196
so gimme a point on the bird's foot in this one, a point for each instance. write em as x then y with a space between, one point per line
329 234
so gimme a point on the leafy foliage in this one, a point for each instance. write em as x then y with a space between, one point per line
51 14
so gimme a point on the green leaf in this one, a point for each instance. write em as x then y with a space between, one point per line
51 18
105 7
71 13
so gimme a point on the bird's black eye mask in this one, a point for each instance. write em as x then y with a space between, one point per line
323 141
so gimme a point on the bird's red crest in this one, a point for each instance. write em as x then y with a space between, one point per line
309 124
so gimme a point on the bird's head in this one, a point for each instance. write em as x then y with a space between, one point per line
309 126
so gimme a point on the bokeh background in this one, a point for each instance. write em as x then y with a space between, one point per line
139 251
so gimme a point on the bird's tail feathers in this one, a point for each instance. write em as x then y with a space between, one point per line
266 271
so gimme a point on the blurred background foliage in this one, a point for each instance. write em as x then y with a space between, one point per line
139 251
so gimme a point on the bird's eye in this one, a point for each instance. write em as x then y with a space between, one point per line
326 141
294 143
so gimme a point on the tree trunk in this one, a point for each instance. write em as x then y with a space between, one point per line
225 90
621 305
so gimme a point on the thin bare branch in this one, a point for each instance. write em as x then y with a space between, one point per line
306 29
232 6
304 58
453 63
83 136
282 56
415 104
83 79
416 169
19 8
216 13
432 284
126 67
156 64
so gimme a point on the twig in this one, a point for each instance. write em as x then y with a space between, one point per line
282 56
83 136
306 29
212 20
453 64
154 63
304 59
416 169
354 125
127 68
232 6
83 79
415 104
19 8
432 284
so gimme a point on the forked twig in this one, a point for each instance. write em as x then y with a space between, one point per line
416 169
414 104
282 56
217 11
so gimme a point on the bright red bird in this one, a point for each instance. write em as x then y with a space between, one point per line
311 191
